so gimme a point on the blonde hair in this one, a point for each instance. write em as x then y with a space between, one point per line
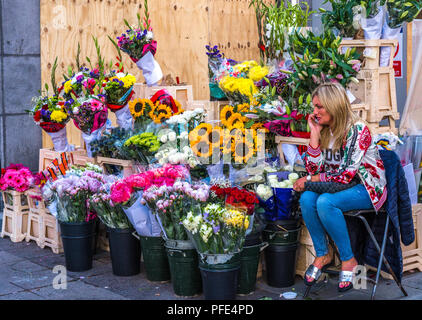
334 100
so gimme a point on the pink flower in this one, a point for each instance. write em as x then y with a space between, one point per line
339 76
356 67
120 192
9 176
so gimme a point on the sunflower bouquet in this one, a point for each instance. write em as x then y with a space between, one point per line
49 113
142 147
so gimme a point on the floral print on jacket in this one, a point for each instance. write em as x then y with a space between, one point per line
359 156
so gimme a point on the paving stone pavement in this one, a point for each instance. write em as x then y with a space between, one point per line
26 273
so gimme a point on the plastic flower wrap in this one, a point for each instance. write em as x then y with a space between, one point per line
171 203
70 195
141 147
49 113
187 120
16 177
218 65
112 215
216 229
138 43
118 90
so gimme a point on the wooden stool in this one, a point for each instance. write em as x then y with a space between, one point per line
15 215
51 234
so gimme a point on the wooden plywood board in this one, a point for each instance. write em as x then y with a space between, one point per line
182 28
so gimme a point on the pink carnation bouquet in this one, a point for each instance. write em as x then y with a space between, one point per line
123 191
171 203
16 177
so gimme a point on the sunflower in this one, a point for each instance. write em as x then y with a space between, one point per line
179 107
243 152
139 107
236 121
215 137
202 149
160 112
244 107
199 133
225 114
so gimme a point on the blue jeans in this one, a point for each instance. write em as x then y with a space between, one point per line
324 213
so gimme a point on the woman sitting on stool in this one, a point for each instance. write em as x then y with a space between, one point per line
340 150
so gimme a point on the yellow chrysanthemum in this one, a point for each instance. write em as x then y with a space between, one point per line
257 73
128 80
68 86
58 116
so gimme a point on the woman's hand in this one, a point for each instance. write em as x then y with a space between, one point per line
299 185
313 125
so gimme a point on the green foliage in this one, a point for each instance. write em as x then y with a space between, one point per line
400 11
340 17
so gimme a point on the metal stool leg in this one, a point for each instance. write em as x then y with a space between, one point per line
382 257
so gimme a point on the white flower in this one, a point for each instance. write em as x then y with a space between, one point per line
172 136
149 35
163 138
75 110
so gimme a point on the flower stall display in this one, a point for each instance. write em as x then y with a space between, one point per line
49 113
118 90
138 43
171 203
108 144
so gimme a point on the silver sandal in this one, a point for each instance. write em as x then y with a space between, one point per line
346 276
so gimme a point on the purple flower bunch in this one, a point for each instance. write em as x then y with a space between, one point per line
89 115
277 79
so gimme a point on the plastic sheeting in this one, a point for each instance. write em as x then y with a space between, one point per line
411 120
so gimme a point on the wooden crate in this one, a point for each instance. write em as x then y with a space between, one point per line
183 94
82 159
377 89
48 155
412 254
42 226
371 50
127 165
280 140
15 215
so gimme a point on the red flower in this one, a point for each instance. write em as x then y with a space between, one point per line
37 116
262 47
230 200
251 199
